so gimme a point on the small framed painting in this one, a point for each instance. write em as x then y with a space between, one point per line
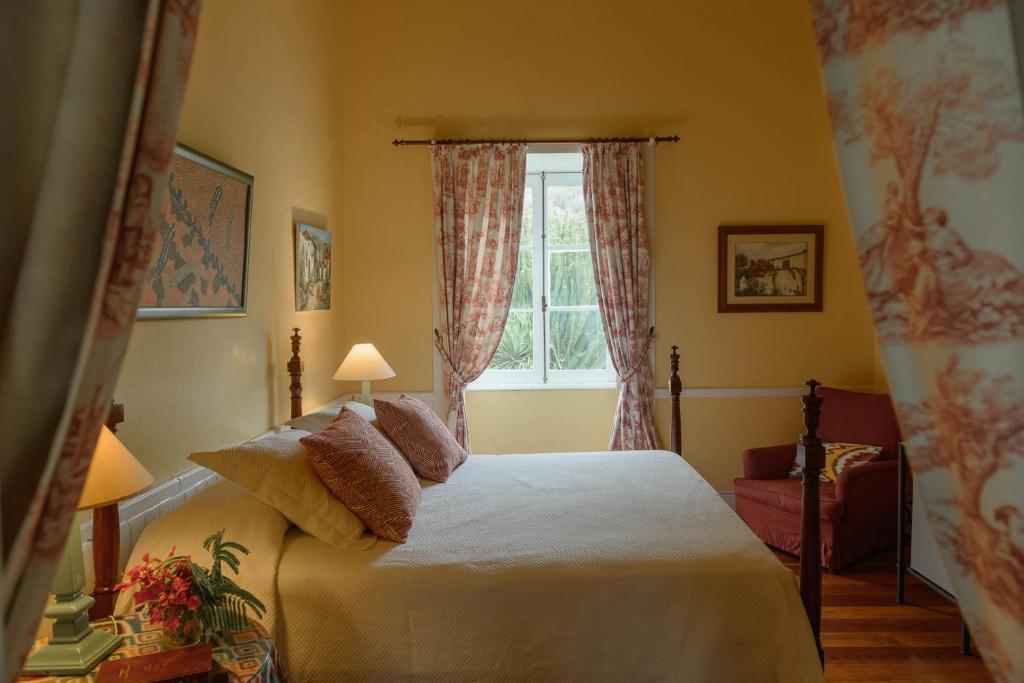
200 260
312 268
770 268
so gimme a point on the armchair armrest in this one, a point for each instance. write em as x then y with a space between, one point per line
869 492
771 462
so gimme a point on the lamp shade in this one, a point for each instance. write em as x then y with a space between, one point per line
114 474
364 362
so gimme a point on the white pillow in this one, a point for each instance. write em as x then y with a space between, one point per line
277 471
245 520
317 420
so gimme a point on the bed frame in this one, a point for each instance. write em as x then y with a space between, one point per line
810 455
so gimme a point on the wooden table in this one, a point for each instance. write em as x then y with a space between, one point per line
249 655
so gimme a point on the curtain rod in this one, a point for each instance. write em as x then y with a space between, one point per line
661 138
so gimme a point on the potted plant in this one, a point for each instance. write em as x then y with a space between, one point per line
190 601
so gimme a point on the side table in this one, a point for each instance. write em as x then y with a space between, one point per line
249 654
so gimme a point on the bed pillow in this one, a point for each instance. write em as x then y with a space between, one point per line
317 420
840 457
277 470
366 473
422 437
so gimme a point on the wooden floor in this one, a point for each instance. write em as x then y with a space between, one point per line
868 637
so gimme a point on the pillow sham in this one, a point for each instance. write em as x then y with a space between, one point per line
422 437
318 420
366 473
277 470
840 457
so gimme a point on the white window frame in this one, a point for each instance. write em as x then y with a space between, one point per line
541 377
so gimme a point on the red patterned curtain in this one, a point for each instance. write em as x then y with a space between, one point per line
99 88
478 211
613 192
925 102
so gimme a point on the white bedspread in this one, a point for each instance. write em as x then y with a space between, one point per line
553 567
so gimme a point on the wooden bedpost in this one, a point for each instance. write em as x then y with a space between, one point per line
675 387
295 370
810 455
106 542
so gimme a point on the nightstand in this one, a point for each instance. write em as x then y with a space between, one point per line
249 654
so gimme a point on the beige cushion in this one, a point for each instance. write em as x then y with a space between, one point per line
422 437
840 457
276 469
317 420
367 474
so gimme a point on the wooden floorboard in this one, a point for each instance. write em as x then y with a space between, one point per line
869 638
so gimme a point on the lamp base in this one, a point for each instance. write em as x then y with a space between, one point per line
75 647
365 396
63 659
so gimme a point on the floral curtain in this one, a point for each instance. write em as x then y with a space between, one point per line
613 192
478 210
104 83
925 102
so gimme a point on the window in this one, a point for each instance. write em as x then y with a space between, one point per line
554 335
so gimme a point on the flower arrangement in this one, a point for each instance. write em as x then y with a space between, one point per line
182 596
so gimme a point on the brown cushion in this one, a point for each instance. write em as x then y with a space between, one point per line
367 474
786 494
421 435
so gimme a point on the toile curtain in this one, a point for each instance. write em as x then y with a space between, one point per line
613 193
99 88
478 210
925 103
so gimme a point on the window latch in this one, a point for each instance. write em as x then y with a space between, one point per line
543 303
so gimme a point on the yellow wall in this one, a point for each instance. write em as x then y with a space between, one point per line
259 99
540 421
738 81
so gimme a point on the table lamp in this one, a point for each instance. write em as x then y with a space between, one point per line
74 646
364 363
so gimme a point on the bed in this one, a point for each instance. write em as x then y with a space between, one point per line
623 566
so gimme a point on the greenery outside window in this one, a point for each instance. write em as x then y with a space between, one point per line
554 336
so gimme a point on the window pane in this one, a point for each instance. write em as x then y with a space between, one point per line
572 279
526 236
515 351
576 340
522 293
567 219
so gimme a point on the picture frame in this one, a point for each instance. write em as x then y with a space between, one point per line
312 268
200 261
770 268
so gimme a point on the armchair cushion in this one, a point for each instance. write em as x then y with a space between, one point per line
841 457
771 462
786 494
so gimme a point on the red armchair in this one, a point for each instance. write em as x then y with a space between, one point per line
858 512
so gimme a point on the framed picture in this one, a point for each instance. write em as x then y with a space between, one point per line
770 268
312 268
200 261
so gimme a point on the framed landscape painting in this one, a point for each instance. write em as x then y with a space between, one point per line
312 268
770 268
199 264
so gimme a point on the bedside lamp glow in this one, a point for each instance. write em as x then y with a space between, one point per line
75 647
363 364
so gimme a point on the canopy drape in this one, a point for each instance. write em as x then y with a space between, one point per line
925 103
99 89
